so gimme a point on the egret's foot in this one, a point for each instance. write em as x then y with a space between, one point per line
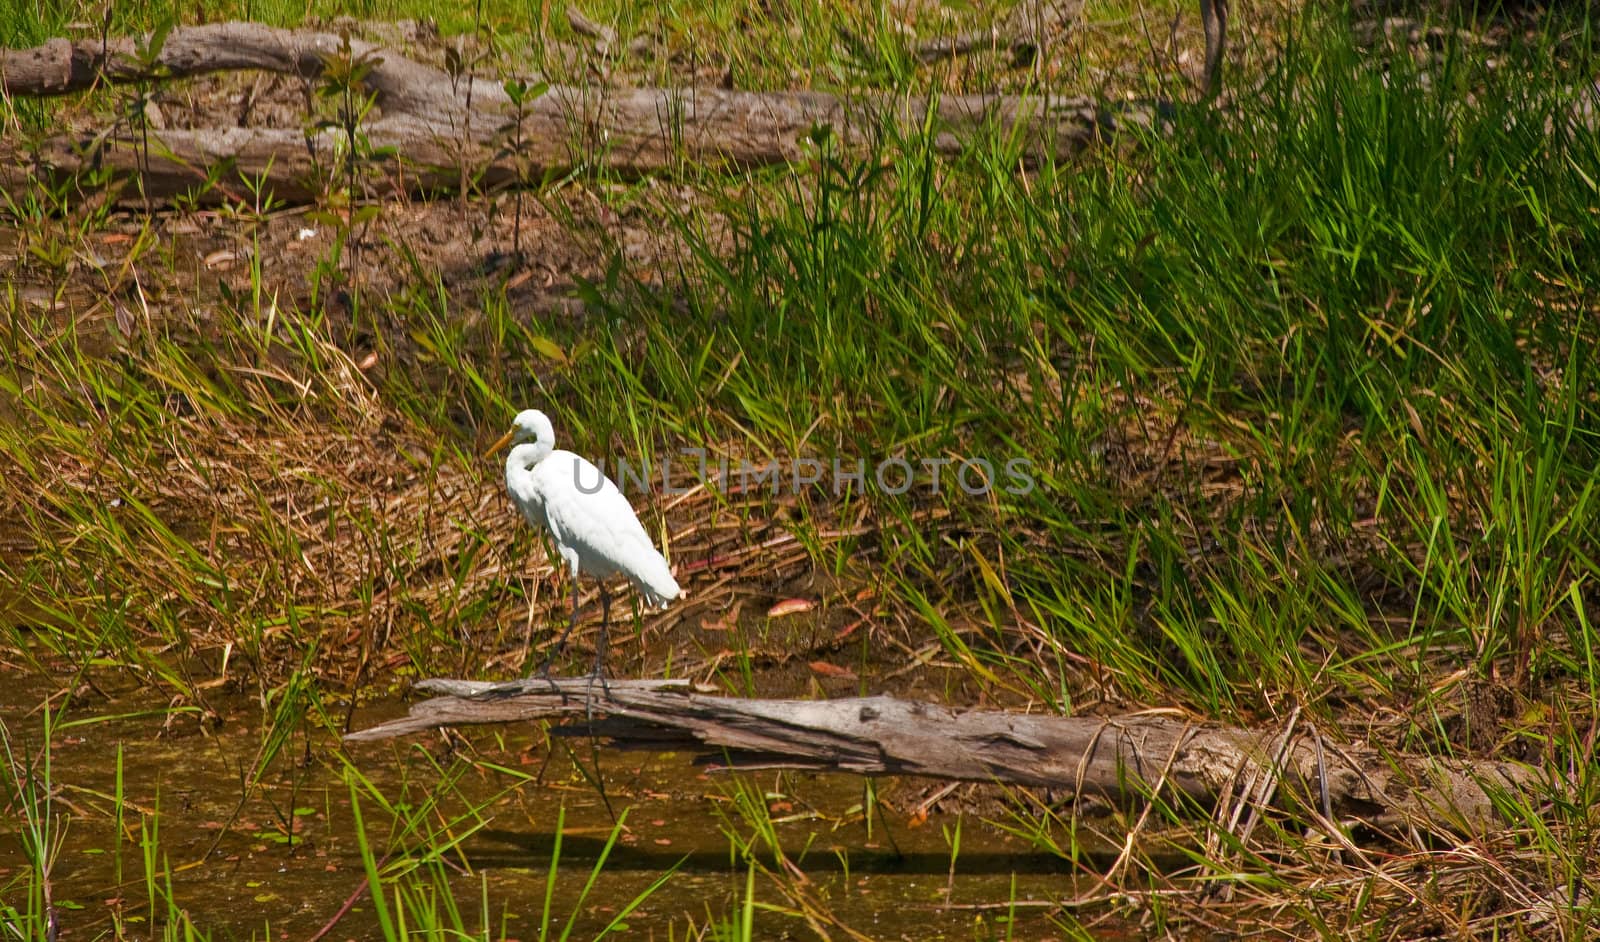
598 674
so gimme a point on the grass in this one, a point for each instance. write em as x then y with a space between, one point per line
1302 389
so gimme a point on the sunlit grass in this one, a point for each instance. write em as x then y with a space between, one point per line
1249 399
1304 390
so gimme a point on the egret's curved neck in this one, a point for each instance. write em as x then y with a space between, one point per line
524 456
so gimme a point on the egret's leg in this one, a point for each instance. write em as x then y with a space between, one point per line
561 643
599 656
600 645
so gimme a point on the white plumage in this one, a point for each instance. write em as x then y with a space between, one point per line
594 527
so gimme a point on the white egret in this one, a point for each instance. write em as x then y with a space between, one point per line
593 525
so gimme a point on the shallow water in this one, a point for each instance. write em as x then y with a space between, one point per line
223 832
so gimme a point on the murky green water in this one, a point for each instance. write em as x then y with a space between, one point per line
258 847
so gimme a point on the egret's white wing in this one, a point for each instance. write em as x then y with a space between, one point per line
586 512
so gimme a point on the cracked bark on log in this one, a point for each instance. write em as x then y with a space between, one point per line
1126 758
424 116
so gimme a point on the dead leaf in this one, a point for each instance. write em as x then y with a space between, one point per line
850 629
790 607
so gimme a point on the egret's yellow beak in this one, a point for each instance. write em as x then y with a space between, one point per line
503 442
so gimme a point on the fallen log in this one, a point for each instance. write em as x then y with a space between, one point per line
429 124
1121 759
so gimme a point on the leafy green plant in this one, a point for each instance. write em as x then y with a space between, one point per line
147 61
521 94
343 82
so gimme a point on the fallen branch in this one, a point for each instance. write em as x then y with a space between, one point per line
1024 33
1122 758
436 124
604 36
1214 20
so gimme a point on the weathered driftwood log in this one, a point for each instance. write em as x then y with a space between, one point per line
436 124
1124 758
